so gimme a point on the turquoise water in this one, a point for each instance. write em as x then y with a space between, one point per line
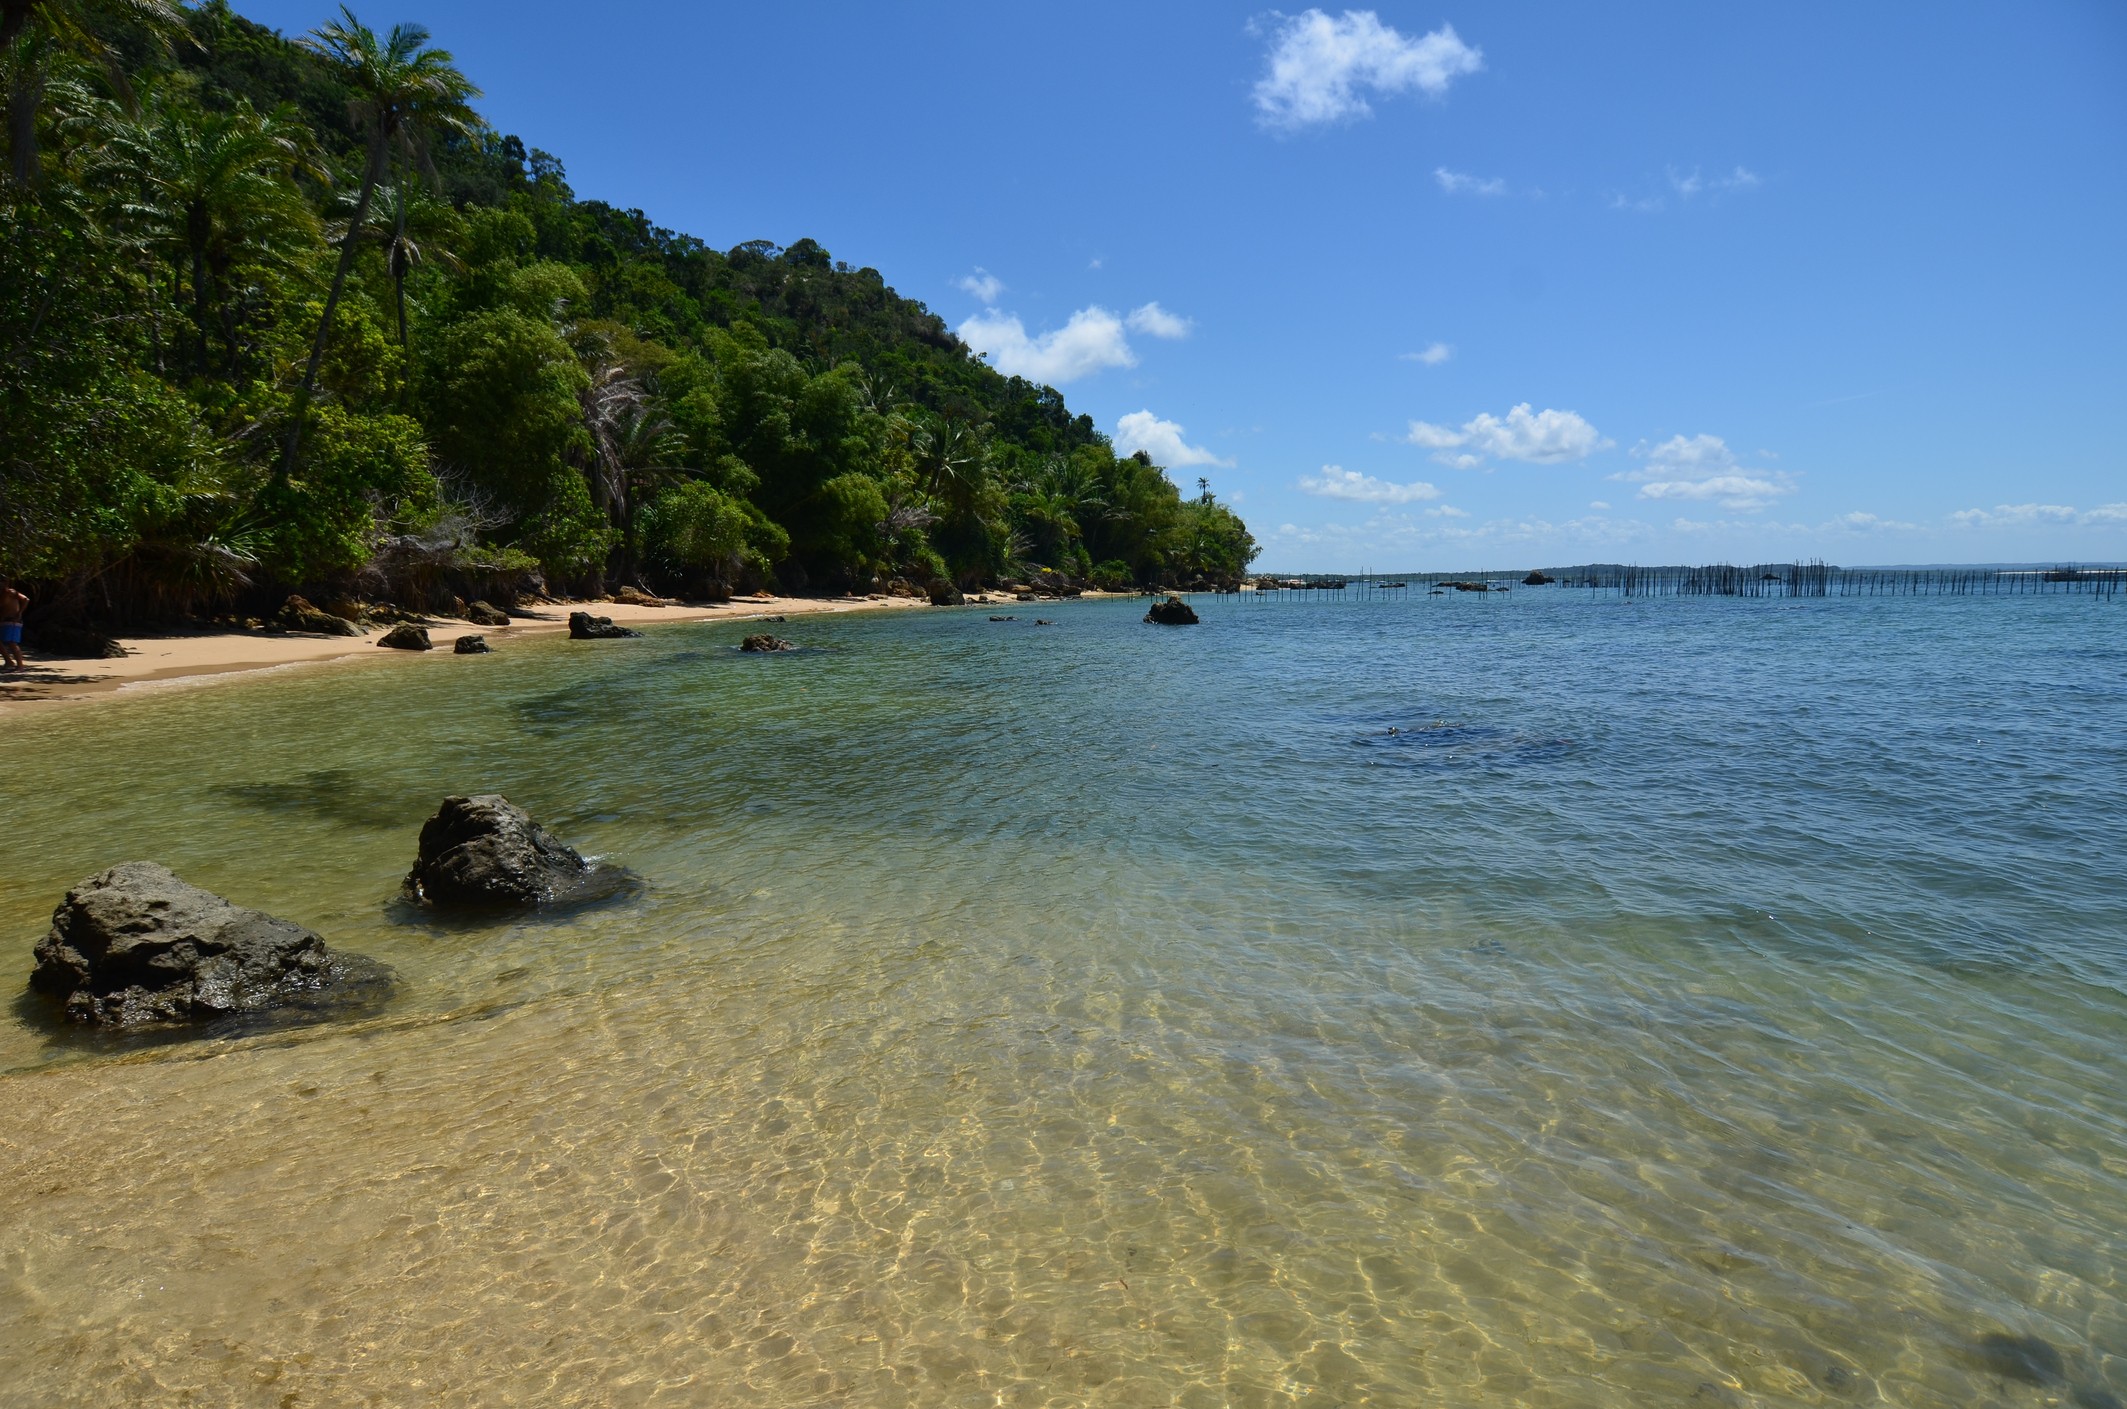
1691 1001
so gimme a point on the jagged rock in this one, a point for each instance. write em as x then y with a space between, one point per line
470 645
385 611
902 587
297 614
636 597
135 946
764 642
1538 579
585 627
1004 618
1172 612
407 637
945 594
486 614
485 851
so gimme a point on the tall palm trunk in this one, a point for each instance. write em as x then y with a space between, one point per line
379 151
22 101
398 261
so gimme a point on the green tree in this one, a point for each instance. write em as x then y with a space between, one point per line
32 32
404 91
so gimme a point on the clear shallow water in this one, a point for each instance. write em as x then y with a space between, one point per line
1692 1002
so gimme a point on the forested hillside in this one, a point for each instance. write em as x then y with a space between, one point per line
287 314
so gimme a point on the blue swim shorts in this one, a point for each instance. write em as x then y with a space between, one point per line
10 633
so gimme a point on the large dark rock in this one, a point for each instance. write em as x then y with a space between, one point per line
764 642
486 614
407 637
585 627
945 594
297 614
135 946
485 851
471 646
1172 612
1538 579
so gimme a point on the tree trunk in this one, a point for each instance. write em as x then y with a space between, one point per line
22 101
378 152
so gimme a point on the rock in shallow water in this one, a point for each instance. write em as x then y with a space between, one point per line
471 646
585 627
486 851
135 946
1172 612
764 642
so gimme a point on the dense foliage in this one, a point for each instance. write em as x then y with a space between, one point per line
285 314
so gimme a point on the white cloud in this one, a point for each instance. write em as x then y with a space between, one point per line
1092 340
1162 440
1599 504
1155 321
1432 356
1538 437
1702 469
982 284
1687 186
1319 66
1336 482
1461 183
2048 515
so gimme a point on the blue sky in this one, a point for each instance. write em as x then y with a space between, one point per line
1421 286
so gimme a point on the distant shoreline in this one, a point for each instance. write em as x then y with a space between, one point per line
203 656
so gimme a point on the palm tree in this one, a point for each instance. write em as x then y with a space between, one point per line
408 229
68 26
213 188
403 91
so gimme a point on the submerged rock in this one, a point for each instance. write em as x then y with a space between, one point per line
407 637
765 642
585 627
1004 618
297 614
471 646
486 851
1172 612
486 614
135 946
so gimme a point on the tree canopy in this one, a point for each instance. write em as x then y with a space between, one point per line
276 309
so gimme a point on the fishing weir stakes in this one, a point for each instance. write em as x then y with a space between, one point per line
1810 579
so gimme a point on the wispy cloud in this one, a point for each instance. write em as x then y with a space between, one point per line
1702 469
1687 186
1535 437
1336 482
1432 355
1461 183
1091 341
1319 69
1162 440
982 284
2048 515
1155 321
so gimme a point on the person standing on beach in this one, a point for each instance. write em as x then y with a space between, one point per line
12 605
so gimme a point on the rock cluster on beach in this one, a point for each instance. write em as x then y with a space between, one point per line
135 946
1172 612
486 851
486 614
297 614
585 627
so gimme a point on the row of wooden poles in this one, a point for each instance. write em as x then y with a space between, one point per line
1810 579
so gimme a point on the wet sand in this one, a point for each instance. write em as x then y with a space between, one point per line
201 656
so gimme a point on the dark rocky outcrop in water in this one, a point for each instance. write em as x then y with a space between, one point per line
135 946
407 637
485 851
1538 579
486 614
764 642
1172 612
471 646
585 627
297 614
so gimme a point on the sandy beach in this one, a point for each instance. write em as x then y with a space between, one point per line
205 655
